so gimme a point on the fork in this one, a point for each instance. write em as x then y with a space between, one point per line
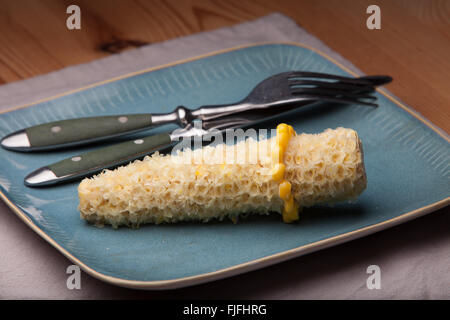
204 121
280 89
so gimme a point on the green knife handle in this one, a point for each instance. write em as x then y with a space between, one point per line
118 154
82 130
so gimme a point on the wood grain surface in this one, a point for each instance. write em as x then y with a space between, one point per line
413 44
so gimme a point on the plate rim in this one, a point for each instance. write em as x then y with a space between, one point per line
249 265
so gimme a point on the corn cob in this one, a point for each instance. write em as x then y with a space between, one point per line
318 168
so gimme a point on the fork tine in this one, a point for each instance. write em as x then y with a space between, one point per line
303 74
332 85
378 80
346 101
343 100
330 92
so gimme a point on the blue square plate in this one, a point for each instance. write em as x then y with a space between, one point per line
407 164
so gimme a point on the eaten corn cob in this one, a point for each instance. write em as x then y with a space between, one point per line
311 169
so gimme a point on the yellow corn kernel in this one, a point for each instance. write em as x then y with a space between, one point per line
290 211
292 131
283 139
289 205
278 171
285 190
277 154
282 127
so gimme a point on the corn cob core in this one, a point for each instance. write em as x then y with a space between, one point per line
197 185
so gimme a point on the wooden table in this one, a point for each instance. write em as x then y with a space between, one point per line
413 44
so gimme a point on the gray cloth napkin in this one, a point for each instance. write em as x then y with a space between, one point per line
414 258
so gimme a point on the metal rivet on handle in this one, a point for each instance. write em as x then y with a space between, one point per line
139 141
76 159
123 119
56 129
